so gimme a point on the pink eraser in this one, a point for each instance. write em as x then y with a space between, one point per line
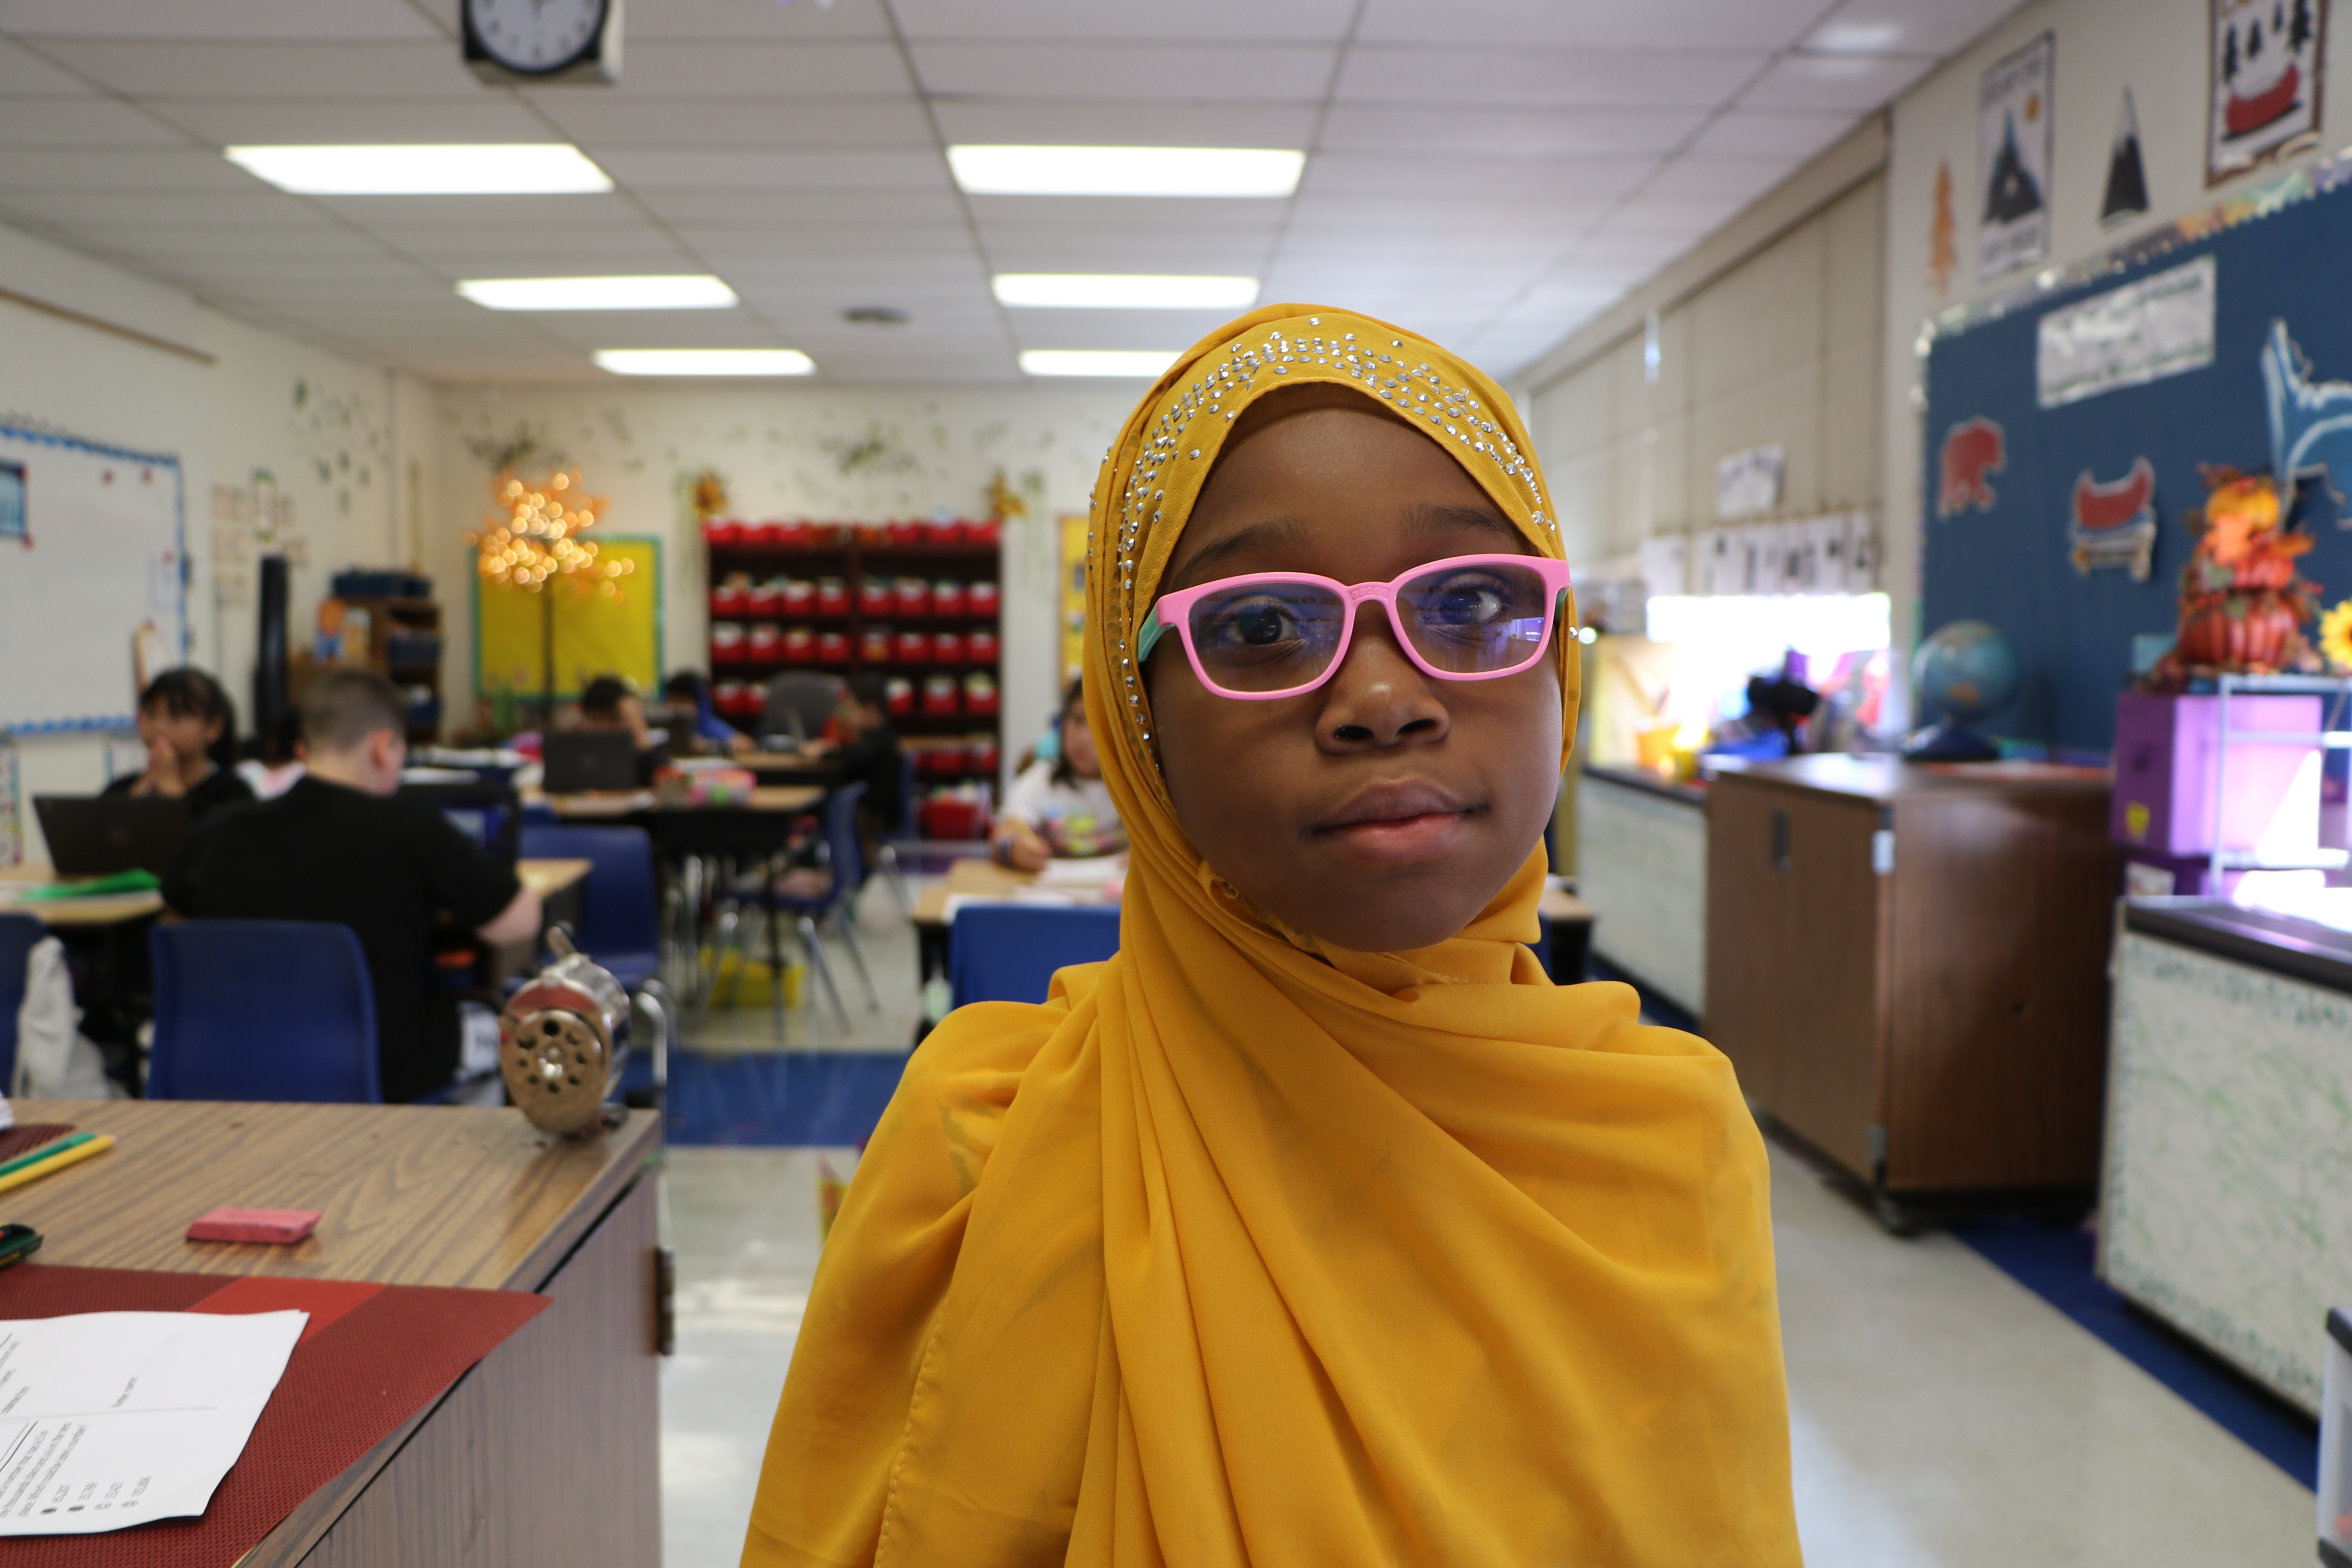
254 1225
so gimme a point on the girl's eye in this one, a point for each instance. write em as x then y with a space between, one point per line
1251 623
1465 602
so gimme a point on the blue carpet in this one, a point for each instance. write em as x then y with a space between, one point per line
826 1099
2054 1262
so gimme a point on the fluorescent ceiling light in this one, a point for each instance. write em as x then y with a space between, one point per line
501 169
688 292
1145 363
705 362
1126 170
1125 292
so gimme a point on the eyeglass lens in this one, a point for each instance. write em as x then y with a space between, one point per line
1270 636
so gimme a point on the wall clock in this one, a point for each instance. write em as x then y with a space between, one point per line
543 40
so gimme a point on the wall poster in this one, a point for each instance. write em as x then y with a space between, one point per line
2013 159
2267 59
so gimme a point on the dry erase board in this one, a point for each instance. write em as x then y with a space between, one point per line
92 559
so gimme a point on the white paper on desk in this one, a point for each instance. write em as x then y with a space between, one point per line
109 1419
1092 872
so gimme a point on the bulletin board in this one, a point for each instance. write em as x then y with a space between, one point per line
594 634
93 557
2020 460
1070 608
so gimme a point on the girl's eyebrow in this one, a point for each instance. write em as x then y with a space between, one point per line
1257 536
1429 518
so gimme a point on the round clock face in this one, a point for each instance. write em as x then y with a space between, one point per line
535 35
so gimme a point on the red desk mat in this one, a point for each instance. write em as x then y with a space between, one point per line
31 1135
371 1357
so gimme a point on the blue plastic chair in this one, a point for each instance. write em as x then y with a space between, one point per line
1008 953
279 1010
17 935
620 915
846 858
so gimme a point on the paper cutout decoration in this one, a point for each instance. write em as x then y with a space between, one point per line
2013 151
12 505
2114 523
2127 193
2311 421
1943 254
2265 89
1972 448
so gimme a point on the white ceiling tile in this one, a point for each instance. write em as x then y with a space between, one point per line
160 169
1273 73
79 122
1634 79
1126 125
731 247
1932 27
264 245
1407 177
750 20
1693 175
1812 82
1654 214
1611 244
1113 329
460 257
1372 220
1590 24
1507 132
751 173
602 124
261 208
249 19
554 213
1755 133
262 70
807 208
23 73
228 123
1202 21
810 69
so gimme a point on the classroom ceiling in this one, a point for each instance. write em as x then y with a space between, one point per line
1492 172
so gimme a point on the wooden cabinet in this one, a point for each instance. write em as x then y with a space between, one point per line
1907 963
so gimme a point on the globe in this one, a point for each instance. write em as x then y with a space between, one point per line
1965 672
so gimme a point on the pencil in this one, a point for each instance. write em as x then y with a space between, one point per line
48 1151
57 1162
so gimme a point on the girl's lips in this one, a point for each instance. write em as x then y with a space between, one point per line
1400 840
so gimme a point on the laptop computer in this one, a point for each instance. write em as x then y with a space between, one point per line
98 836
590 759
486 810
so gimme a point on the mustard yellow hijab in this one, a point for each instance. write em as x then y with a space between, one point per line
1240 1251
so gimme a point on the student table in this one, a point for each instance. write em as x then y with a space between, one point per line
548 1450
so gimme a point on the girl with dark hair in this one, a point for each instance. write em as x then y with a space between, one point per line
190 731
1060 808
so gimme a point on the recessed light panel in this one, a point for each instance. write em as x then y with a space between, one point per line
705 362
500 169
692 291
1125 292
1146 363
998 171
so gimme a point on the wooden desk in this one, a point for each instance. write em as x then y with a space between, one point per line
112 910
549 878
547 1451
631 804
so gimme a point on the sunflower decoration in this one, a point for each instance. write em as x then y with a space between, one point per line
2335 638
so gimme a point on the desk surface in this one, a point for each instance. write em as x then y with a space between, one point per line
640 802
549 878
408 1194
979 877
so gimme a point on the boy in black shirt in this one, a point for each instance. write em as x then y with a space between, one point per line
338 847
869 749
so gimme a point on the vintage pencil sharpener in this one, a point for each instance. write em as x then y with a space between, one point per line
563 1041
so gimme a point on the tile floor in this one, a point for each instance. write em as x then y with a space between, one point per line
1944 1416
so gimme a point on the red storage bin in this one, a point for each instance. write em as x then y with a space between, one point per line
943 762
914 647
946 647
912 596
875 646
877 596
898 696
731 600
938 696
766 535
947 817
948 597
943 533
766 643
797 595
726 643
722 531
981 599
980 646
981 532
800 645
902 534
798 535
979 693
981 756
763 599
833 648
832 596
868 534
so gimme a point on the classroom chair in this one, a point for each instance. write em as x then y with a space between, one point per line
1008 953
620 916
278 1010
847 863
886 851
17 935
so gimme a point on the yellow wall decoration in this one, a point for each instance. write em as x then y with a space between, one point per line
1073 596
596 632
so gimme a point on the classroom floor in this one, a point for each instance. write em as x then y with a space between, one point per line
1943 1415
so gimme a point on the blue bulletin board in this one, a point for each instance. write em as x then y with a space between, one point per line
2049 464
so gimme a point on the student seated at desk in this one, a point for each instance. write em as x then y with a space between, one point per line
693 715
1060 808
338 847
189 729
868 749
611 703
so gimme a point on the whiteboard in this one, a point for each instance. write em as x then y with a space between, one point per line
92 551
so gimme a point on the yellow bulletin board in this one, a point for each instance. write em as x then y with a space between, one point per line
1073 609
594 634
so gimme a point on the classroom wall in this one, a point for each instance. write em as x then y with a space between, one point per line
791 451
2161 50
323 425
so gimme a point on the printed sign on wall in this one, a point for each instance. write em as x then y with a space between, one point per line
2013 159
2267 59
2140 332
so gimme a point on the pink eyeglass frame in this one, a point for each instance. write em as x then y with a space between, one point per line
1178 618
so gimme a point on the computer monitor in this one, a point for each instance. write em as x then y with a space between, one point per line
591 759
488 811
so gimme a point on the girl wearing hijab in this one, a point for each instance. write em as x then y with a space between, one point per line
1317 1226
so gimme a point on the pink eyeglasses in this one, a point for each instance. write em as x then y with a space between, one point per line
1278 634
